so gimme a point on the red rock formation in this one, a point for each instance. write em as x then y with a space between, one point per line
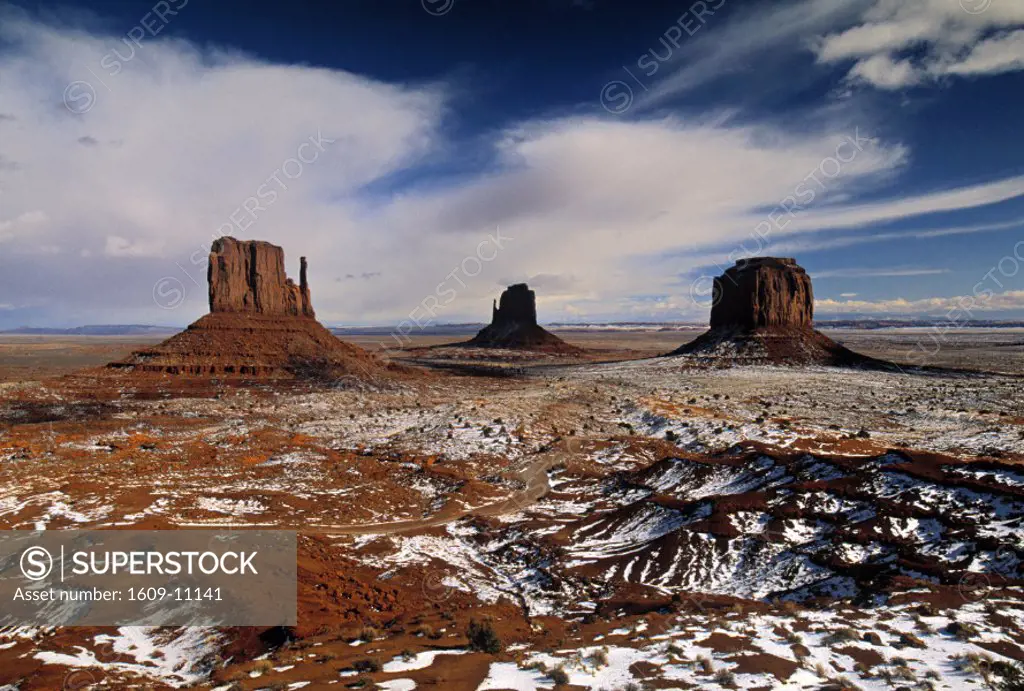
260 325
518 306
763 292
249 277
514 325
763 313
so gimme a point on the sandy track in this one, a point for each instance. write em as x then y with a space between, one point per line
534 475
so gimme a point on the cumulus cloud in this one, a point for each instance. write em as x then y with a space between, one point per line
963 305
22 223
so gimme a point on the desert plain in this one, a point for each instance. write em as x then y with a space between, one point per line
617 520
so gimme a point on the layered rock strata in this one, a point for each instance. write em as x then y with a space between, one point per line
763 313
260 325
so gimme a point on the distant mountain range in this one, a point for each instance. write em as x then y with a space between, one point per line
428 330
98 330
472 328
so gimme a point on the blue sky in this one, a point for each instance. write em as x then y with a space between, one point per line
614 155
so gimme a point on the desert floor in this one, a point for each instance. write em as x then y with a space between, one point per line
618 519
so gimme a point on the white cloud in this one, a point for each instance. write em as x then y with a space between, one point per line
888 44
732 43
886 73
816 244
21 224
992 56
861 215
120 247
598 210
902 43
962 305
854 272
184 137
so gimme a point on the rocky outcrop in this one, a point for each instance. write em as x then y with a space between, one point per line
763 313
518 305
249 277
260 325
763 292
514 325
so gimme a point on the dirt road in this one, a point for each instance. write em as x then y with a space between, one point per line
534 476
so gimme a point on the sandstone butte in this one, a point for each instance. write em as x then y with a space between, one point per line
260 325
514 325
763 312
249 277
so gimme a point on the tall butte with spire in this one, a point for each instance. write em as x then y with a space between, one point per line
763 312
260 325
249 278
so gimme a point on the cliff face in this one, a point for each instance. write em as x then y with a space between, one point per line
249 277
518 305
763 313
260 325
763 292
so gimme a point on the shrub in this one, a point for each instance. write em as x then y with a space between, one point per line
790 607
963 630
368 634
366 665
725 678
901 670
844 684
841 636
483 638
559 676
1013 676
263 666
872 638
910 640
